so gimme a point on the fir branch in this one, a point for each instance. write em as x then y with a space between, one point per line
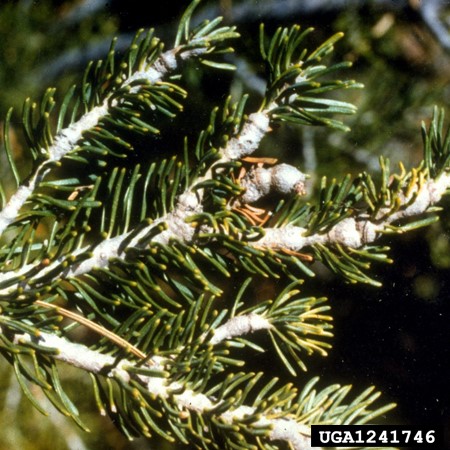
146 279
240 326
80 356
150 72
352 232
93 326
359 230
278 425
174 226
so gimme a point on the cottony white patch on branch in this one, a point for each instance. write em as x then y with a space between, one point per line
354 232
80 356
76 355
257 184
167 62
430 193
439 187
177 228
289 237
67 138
240 326
297 434
191 401
164 64
10 212
346 232
287 179
188 204
249 138
350 232
107 249
281 178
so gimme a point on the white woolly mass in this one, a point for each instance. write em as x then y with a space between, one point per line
67 138
157 386
10 211
155 72
346 233
430 193
287 179
288 237
369 231
249 138
298 435
177 228
5 276
165 63
77 355
240 326
256 184
194 402
439 187
80 356
107 249
188 201
281 178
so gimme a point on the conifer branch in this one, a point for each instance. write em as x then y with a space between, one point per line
172 226
80 356
93 326
150 72
353 232
187 402
140 256
360 230
240 326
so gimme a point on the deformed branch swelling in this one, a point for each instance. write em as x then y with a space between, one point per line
30 280
352 232
174 222
357 231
